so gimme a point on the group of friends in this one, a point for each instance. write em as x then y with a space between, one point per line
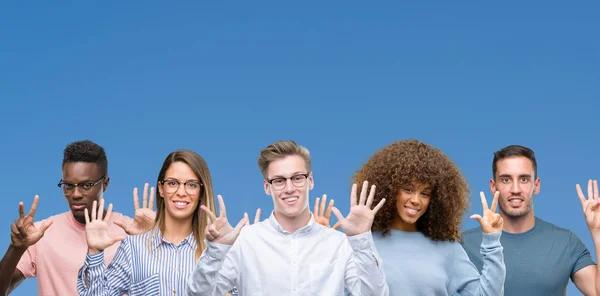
402 235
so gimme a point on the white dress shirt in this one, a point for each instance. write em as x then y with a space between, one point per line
267 260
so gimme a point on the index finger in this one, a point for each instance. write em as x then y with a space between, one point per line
222 212
316 210
484 203
495 201
33 206
136 202
257 217
211 216
596 193
590 190
580 195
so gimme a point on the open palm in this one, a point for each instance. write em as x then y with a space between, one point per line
360 218
591 205
144 216
96 229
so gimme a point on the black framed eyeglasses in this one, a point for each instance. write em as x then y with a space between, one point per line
298 180
84 186
172 185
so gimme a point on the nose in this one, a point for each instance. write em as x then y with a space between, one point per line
181 190
515 189
76 194
414 199
289 187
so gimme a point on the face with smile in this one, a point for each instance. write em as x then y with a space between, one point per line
288 183
180 190
82 184
412 202
516 182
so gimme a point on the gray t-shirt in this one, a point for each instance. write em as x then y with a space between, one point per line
415 265
538 262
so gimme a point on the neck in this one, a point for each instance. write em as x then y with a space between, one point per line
399 224
176 229
518 224
292 224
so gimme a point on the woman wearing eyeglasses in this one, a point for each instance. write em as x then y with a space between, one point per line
159 261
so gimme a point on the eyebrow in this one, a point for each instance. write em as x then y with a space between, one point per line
293 174
175 179
520 176
84 181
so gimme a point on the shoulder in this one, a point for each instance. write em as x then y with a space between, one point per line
58 219
248 232
548 228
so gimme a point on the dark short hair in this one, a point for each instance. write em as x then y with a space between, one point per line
86 151
512 151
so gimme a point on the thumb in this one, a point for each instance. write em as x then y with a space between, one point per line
337 213
120 224
116 239
242 223
478 218
336 225
46 225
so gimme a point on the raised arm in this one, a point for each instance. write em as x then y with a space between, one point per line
364 272
24 234
94 278
587 279
216 270
464 275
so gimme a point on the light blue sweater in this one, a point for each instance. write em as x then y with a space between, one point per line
416 265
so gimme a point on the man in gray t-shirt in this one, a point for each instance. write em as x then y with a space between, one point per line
539 256
539 261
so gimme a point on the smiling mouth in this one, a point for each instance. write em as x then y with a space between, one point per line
181 204
290 200
412 212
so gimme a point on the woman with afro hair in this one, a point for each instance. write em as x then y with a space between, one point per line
417 230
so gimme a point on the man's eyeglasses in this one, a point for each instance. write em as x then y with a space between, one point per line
279 183
84 186
172 185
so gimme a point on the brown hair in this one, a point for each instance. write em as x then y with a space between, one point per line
514 151
280 150
400 164
200 168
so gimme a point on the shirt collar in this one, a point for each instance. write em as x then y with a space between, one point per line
308 227
157 239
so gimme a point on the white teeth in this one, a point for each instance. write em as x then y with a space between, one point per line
412 211
180 203
291 198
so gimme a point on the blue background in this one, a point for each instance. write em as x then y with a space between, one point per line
342 78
